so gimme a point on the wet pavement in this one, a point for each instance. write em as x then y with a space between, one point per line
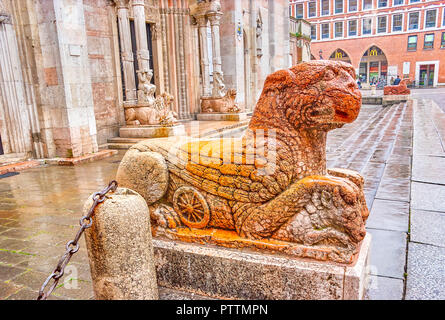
40 209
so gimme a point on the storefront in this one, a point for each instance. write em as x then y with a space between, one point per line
373 67
426 75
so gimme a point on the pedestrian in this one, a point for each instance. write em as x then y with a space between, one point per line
397 81
391 82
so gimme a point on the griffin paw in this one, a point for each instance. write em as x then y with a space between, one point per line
165 216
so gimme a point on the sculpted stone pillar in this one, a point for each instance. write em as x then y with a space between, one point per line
143 54
218 82
126 49
15 126
202 24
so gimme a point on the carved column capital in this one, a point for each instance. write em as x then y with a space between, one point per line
138 3
121 4
201 20
214 18
5 18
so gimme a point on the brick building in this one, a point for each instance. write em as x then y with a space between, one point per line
380 38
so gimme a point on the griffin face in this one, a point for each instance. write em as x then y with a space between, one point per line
327 97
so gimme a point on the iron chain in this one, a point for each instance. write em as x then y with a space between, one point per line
73 246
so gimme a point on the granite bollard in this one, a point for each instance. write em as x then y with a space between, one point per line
120 249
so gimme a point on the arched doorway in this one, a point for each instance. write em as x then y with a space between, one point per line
373 67
340 55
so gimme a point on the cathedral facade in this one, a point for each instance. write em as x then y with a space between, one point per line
68 68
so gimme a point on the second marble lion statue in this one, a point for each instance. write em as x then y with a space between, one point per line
272 183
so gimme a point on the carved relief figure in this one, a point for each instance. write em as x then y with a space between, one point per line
269 189
155 112
146 90
218 83
221 105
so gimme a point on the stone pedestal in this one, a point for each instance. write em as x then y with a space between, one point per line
241 274
154 131
394 99
222 116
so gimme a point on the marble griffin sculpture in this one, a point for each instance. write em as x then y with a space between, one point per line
271 186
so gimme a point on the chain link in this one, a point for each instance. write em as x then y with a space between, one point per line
73 246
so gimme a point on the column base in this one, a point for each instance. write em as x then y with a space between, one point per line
222 116
154 131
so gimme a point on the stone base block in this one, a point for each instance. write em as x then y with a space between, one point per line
243 274
372 100
14 167
102 154
151 131
222 116
394 99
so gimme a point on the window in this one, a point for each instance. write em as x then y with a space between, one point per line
383 3
367 4
413 22
352 24
325 31
312 9
324 7
428 42
366 23
443 17
414 1
442 42
338 6
338 30
397 22
430 18
299 10
397 2
412 43
313 32
352 5
381 25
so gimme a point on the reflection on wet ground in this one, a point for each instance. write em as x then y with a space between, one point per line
40 208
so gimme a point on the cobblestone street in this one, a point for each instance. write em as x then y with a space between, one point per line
398 149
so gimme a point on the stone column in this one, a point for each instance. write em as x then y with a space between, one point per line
218 83
126 49
143 54
202 24
15 127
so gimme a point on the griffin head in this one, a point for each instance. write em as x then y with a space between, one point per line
319 94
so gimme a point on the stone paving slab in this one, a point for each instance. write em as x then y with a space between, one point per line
428 227
388 253
389 215
429 169
7 272
394 189
384 288
425 196
426 272
7 289
427 140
